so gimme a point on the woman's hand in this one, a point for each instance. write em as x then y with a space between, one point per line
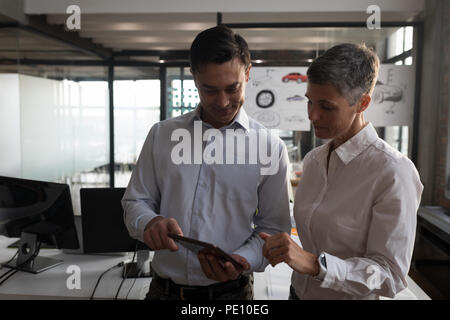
282 248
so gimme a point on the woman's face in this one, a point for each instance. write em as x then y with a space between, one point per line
330 113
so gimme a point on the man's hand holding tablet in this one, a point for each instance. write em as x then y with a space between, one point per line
216 264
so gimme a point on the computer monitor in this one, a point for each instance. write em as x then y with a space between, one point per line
37 212
104 229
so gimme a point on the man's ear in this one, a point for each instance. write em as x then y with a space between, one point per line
247 72
364 102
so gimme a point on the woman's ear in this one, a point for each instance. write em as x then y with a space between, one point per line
364 102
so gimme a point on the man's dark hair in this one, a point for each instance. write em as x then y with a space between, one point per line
351 68
218 45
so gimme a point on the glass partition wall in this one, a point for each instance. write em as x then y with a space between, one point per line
57 113
137 96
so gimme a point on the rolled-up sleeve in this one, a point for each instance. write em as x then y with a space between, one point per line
142 196
384 266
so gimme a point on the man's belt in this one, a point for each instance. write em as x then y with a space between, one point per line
185 292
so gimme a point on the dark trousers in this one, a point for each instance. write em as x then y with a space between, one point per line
165 289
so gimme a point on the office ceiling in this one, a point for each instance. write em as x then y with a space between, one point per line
166 32
175 31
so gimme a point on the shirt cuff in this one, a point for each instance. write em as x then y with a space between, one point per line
257 262
336 271
141 223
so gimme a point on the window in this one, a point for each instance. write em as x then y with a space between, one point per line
399 52
136 110
182 95
399 46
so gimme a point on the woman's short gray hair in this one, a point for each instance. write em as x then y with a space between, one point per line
351 68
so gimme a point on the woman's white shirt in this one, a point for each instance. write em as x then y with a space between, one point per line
362 214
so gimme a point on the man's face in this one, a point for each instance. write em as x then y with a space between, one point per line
221 89
329 111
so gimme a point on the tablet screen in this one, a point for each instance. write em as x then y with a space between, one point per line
204 247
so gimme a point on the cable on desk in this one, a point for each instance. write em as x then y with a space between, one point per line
4 264
134 280
120 264
129 290
8 274
14 271
11 269
128 271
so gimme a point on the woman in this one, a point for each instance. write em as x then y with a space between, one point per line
356 203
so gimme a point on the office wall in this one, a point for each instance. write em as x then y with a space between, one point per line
434 103
443 155
434 134
433 113
10 154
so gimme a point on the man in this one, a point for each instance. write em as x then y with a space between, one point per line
175 188
356 204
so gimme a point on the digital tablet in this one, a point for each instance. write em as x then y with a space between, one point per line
204 247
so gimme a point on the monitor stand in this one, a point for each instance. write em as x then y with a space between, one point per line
28 259
137 269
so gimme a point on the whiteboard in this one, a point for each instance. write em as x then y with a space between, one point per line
393 97
275 97
277 100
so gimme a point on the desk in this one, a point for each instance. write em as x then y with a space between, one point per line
272 284
52 283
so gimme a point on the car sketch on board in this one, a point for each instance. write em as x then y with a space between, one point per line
295 76
296 97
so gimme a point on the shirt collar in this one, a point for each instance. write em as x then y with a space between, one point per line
196 114
241 118
357 144
352 147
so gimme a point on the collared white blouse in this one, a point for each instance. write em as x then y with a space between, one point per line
362 214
